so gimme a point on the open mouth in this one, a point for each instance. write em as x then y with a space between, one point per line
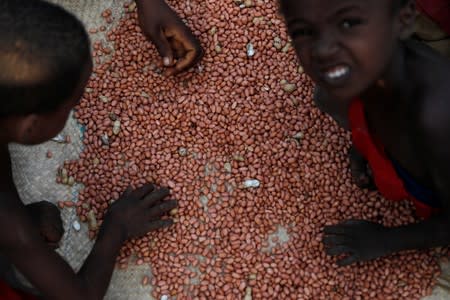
336 75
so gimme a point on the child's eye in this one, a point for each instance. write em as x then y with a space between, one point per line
302 32
350 23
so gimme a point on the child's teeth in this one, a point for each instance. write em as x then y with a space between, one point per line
337 73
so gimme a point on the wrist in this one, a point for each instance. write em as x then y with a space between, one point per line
401 238
388 238
111 226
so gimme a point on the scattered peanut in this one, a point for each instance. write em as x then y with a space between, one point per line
223 114
145 280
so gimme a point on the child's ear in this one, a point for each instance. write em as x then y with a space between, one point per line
407 19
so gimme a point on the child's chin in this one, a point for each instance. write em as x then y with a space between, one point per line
343 96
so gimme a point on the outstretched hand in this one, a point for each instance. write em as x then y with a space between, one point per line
356 241
140 211
175 42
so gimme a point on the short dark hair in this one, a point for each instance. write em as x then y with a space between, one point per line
43 52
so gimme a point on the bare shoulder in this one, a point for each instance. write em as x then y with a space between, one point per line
432 80
434 117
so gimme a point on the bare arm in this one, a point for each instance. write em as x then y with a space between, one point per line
133 215
434 232
363 240
46 270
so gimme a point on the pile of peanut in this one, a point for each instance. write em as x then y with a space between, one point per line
235 117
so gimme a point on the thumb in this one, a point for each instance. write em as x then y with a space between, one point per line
163 47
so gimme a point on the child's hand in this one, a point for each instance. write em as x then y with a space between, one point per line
357 240
47 217
173 39
138 212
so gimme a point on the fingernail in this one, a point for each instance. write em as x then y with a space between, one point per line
166 61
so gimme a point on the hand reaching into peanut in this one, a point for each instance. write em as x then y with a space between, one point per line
173 39
140 211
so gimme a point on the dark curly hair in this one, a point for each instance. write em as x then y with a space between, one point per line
43 52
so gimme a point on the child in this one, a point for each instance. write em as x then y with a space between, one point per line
45 62
396 93
432 27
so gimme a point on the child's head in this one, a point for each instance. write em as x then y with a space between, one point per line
45 63
347 45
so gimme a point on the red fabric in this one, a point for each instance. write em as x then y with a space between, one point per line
8 293
438 11
385 177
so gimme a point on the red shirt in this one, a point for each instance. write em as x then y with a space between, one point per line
385 176
8 293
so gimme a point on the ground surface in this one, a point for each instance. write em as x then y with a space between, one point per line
36 181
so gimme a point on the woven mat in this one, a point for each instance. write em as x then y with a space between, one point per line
35 174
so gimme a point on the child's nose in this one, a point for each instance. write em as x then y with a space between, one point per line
325 47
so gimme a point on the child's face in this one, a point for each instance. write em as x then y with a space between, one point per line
343 45
48 125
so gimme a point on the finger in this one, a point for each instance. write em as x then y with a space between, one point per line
155 225
335 229
347 261
163 208
343 228
144 190
187 61
155 196
338 250
335 240
128 191
163 46
351 223
177 48
192 53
